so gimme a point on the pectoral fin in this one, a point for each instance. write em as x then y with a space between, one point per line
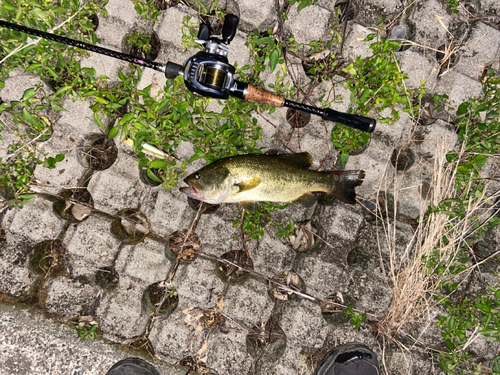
307 200
248 184
248 205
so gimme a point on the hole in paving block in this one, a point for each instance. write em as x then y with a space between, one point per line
49 258
97 152
296 118
130 225
107 278
196 366
160 295
150 176
230 272
95 21
165 4
291 280
345 11
266 341
402 34
320 66
77 206
183 246
303 238
402 159
206 208
373 208
142 44
356 258
446 58
332 308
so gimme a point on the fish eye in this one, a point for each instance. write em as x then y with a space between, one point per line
196 176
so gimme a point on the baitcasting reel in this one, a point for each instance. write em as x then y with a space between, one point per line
208 73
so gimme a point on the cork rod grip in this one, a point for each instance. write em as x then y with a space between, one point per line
256 95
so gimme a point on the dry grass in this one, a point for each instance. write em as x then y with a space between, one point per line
410 273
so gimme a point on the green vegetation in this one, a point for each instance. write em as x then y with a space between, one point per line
87 330
254 223
377 83
465 320
478 128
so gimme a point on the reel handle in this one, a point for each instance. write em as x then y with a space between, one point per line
229 28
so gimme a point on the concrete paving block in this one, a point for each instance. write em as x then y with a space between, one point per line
435 136
123 11
411 188
33 344
458 87
105 65
154 78
217 232
419 67
17 83
248 302
69 298
120 311
37 221
66 172
174 337
169 28
257 15
303 323
344 221
480 50
77 121
312 23
171 212
321 276
197 283
119 186
429 31
227 352
272 256
354 45
148 262
16 279
93 241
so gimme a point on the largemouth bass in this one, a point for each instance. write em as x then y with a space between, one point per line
247 179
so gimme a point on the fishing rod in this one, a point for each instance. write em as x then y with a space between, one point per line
208 73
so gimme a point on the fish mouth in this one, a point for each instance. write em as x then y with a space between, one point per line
190 190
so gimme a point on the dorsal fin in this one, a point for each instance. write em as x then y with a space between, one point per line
303 159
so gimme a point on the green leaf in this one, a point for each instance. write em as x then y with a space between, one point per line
462 109
57 107
59 157
273 59
27 197
28 94
370 37
152 176
158 163
344 156
113 132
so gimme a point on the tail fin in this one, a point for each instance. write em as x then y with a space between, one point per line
344 183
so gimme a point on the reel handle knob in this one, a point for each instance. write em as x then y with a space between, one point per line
204 32
229 28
